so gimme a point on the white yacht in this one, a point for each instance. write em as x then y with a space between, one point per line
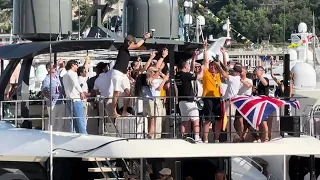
34 154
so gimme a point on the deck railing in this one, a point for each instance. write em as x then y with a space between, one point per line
100 122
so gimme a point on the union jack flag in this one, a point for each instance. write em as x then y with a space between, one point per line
255 109
294 103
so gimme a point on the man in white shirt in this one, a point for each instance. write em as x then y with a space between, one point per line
241 126
104 87
82 78
246 83
233 81
74 92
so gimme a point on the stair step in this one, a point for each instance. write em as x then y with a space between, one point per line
98 159
104 169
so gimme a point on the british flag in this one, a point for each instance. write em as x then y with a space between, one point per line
294 103
255 109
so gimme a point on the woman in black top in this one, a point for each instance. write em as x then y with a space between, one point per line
280 88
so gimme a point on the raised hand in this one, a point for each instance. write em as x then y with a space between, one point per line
165 52
60 61
205 44
87 59
196 53
153 54
147 35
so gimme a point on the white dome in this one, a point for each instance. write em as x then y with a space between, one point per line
202 20
302 28
41 72
301 71
310 56
293 54
187 19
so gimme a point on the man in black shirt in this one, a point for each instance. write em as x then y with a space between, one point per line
261 83
261 87
187 105
120 68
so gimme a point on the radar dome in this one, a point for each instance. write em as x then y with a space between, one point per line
293 54
302 28
301 71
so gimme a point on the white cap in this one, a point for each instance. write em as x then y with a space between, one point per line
165 171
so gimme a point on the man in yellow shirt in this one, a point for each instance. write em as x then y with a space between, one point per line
212 97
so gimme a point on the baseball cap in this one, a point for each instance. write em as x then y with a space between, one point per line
237 69
165 171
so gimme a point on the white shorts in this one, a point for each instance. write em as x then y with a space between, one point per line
189 111
120 81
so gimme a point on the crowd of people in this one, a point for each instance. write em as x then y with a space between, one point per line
203 89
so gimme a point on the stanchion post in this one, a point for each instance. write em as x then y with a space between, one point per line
286 82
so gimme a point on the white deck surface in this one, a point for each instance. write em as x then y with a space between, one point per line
34 145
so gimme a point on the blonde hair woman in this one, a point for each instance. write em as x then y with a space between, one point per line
149 85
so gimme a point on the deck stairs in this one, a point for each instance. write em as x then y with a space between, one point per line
105 167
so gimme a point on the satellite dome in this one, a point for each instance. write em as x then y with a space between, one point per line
301 71
310 56
302 28
202 20
293 54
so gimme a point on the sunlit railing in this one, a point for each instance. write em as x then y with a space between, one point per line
137 126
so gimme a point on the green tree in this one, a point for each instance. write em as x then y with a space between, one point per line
85 9
5 16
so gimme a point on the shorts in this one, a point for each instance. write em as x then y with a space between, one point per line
189 111
212 109
120 81
153 108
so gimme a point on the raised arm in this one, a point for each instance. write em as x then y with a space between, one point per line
246 83
146 66
222 72
273 76
165 79
224 54
140 43
163 56
205 55
86 63
193 61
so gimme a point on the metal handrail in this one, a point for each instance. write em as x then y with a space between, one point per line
17 118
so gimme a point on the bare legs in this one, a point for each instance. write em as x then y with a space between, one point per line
151 127
241 127
116 95
217 130
126 102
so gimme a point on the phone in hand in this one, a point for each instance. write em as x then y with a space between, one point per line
216 59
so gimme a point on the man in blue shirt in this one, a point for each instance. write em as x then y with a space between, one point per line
56 94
